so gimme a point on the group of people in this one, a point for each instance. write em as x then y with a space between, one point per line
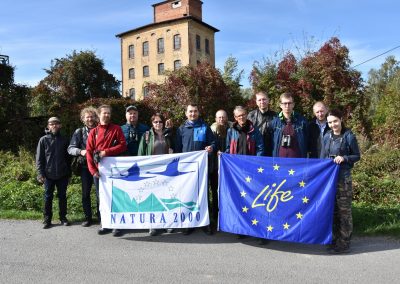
261 132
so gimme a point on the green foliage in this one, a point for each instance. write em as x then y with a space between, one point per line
20 191
76 78
376 177
376 219
384 90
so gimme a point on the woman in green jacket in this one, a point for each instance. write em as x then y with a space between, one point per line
156 141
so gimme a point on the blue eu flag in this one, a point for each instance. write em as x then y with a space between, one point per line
277 198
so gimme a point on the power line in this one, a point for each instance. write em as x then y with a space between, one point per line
376 56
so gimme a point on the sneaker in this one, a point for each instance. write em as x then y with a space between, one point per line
103 231
47 225
188 231
65 222
153 232
117 232
339 250
87 223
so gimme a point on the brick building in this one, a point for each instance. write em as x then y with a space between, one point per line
177 37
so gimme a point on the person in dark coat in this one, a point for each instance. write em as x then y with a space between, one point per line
53 166
340 145
317 128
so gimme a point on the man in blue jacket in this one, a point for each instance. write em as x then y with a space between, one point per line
289 139
194 135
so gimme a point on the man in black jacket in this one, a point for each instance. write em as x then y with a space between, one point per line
53 166
262 118
317 127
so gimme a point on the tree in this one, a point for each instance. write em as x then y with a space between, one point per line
321 75
13 108
76 78
202 84
384 90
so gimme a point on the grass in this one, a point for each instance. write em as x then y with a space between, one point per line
376 220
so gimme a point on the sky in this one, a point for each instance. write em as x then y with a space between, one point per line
33 33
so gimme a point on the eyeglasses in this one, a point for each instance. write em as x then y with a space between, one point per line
287 104
157 122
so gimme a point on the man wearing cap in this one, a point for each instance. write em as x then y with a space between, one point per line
53 166
133 130
105 140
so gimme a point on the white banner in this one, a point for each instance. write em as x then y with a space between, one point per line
154 192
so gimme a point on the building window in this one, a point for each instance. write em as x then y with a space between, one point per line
146 72
132 73
146 48
177 42
131 51
161 69
160 45
145 91
177 64
176 4
207 45
132 93
198 42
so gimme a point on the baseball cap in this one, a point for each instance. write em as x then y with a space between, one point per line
131 107
54 119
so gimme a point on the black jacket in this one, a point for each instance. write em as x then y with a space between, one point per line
315 139
52 159
263 122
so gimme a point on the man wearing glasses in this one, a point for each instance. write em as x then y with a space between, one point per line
289 131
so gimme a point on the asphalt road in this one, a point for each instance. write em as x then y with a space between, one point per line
29 254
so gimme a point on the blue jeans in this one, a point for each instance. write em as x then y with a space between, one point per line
87 182
49 187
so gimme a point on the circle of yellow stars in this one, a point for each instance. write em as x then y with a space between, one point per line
270 228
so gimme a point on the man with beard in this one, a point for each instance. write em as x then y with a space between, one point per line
219 129
52 163
262 118
105 140
77 148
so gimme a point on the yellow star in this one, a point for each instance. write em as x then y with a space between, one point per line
302 183
270 228
286 226
291 172
245 209
305 199
254 222
299 215
276 167
243 193
248 179
260 169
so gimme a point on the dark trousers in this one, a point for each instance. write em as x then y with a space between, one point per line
49 187
213 208
87 183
